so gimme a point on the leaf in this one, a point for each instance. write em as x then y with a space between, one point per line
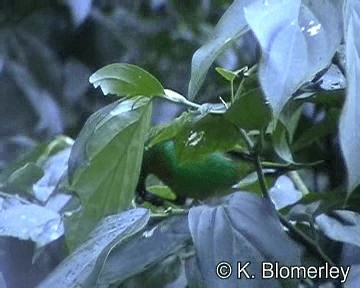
81 268
333 79
249 111
245 228
227 74
25 177
206 134
290 117
37 156
29 222
281 143
284 193
317 131
349 132
55 167
105 162
126 80
229 28
345 227
169 130
144 251
285 129
354 277
193 274
39 172
160 275
311 41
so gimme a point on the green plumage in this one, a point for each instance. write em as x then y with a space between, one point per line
211 176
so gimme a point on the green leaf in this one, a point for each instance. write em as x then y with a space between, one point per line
37 156
162 274
227 74
309 34
349 132
245 228
281 143
285 129
317 131
126 80
205 135
229 28
290 117
168 131
144 251
81 268
105 163
249 111
38 172
25 177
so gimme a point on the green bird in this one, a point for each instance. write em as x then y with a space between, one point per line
213 175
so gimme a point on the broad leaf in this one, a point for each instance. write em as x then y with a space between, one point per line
311 39
284 193
81 268
38 156
281 143
350 117
354 277
126 80
317 131
55 167
249 111
245 228
193 274
144 251
168 131
105 162
38 171
229 28
341 225
204 135
227 74
29 222
23 178
285 129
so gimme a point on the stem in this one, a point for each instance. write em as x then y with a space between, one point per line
178 98
261 177
307 241
259 169
169 212
232 91
17 197
300 185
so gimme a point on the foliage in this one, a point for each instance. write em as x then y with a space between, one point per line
289 115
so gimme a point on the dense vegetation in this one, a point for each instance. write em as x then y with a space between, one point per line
279 93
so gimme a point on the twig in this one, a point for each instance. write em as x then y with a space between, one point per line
299 183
